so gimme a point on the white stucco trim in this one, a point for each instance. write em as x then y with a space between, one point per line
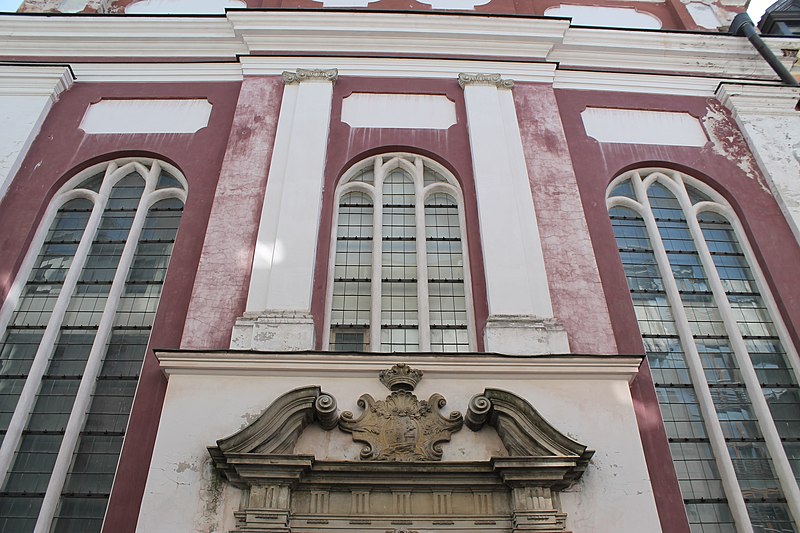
460 366
177 115
26 95
540 72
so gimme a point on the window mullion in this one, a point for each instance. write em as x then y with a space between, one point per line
758 401
27 397
710 418
423 305
377 255
80 407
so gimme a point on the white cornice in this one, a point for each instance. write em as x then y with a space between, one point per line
310 35
455 367
118 37
34 80
157 72
760 99
635 83
407 33
651 51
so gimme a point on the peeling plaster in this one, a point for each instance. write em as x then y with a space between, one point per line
728 142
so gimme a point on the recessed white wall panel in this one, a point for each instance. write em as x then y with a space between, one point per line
610 17
703 15
182 6
146 116
415 111
632 126
346 3
454 4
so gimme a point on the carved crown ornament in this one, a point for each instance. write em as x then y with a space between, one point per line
399 477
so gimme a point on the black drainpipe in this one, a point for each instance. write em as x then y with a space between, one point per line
742 25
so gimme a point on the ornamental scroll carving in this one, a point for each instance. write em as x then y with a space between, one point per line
400 484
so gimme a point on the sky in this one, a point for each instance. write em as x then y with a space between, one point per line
9 5
757 7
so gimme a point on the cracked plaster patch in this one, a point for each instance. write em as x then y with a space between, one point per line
727 141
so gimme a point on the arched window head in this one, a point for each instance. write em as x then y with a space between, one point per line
399 261
722 361
73 335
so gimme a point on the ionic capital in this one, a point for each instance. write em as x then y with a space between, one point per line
314 74
484 79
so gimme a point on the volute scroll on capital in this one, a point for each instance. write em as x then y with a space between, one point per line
315 74
497 80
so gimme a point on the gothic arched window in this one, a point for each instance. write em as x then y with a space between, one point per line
399 269
73 335
723 364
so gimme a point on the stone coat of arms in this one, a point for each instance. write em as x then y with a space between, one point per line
401 427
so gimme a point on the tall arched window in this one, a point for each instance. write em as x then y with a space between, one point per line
74 333
724 367
400 275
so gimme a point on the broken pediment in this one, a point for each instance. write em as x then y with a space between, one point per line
400 478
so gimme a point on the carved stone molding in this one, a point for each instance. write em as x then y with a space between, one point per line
497 80
400 484
315 74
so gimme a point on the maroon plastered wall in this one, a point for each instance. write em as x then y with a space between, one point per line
347 146
724 163
60 151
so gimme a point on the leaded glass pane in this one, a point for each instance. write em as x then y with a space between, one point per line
94 462
692 454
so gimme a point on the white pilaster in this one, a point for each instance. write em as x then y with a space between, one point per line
768 118
279 299
520 311
26 95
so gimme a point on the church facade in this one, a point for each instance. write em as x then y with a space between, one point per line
396 266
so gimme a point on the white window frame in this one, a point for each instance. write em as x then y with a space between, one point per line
414 165
676 182
115 170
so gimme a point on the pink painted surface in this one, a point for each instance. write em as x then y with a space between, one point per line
223 275
575 287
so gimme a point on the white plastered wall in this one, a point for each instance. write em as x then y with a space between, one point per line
211 397
770 122
26 96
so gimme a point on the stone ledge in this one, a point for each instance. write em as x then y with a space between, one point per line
273 330
525 335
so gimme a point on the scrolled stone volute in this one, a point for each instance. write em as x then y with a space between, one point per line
276 430
525 433
326 411
477 412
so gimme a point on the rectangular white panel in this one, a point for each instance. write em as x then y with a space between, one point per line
146 116
633 126
408 111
